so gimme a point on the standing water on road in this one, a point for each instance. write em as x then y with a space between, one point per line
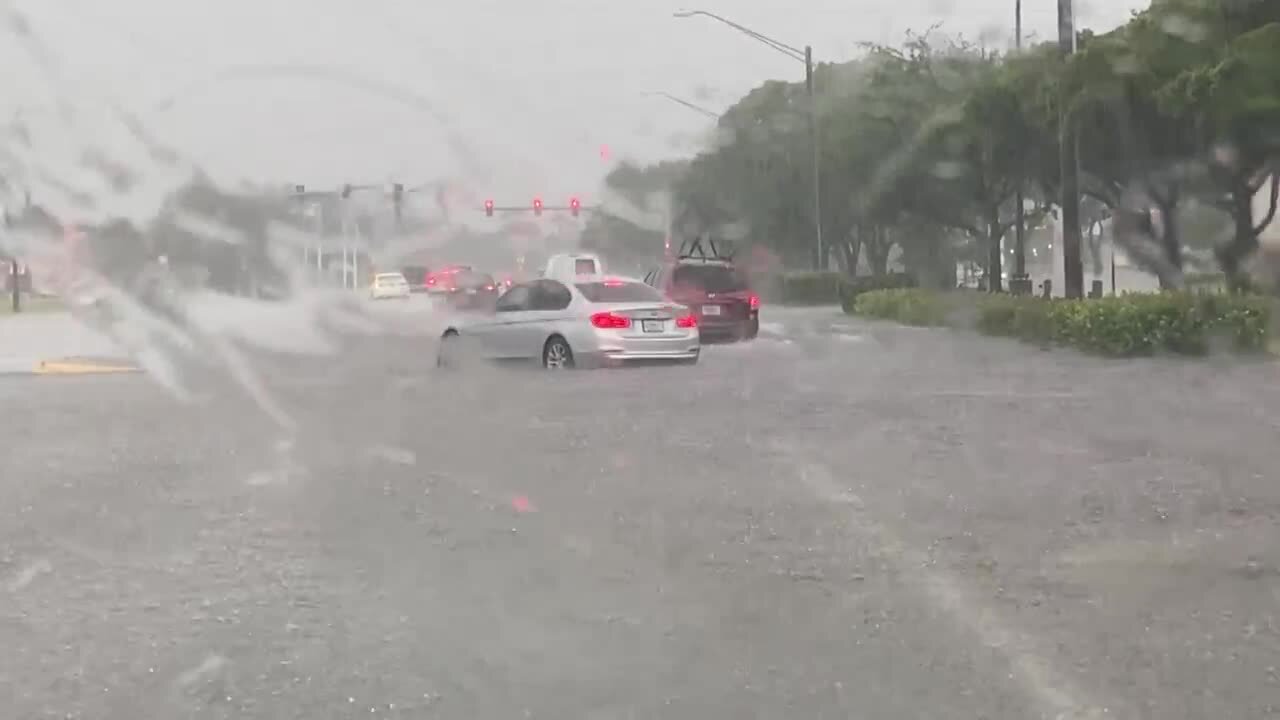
895 495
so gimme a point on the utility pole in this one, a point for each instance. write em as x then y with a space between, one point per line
1020 284
13 272
817 155
1072 262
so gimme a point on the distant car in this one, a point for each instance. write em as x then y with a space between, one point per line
598 321
389 286
719 294
471 290
568 266
442 280
416 276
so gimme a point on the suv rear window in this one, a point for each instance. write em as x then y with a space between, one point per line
471 279
584 266
708 278
612 292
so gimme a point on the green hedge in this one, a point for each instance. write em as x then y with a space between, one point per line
909 306
851 288
1128 325
810 288
829 287
1132 324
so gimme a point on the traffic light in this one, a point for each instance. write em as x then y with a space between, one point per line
537 206
574 206
488 208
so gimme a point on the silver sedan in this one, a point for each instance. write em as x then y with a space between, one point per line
592 321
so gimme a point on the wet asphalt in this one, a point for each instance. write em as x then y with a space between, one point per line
839 520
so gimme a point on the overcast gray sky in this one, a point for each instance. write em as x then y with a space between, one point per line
520 97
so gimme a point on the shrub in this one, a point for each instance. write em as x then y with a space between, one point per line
1128 325
810 288
1131 324
851 288
909 306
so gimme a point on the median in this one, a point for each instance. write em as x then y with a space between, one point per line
1130 325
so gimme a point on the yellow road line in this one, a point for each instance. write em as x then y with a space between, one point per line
72 367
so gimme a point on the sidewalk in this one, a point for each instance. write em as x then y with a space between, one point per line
56 343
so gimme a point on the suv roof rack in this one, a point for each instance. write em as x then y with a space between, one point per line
695 249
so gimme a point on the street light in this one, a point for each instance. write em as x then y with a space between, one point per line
805 56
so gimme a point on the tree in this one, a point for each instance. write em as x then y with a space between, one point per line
632 224
925 146
1235 99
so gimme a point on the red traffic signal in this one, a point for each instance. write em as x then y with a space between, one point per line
574 206
537 206
488 208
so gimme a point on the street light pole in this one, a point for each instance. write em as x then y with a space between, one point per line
805 56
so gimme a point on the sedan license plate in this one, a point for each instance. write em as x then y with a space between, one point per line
710 309
651 326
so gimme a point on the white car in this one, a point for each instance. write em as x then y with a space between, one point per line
566 267
389 286
591 322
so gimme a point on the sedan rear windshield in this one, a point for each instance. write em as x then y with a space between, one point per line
708 278
415 274
615 292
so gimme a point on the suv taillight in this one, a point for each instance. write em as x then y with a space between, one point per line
754 300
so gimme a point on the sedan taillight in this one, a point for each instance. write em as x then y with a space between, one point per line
754 300
610 321
687 321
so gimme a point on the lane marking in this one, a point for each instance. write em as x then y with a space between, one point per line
1052 690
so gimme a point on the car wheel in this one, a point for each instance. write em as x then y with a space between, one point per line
447 357
752 329
556 354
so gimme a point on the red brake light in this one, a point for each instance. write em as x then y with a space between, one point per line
755 301
614 283
431 279
610 321
488 287
687 321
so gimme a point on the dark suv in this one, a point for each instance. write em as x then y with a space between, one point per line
717 293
